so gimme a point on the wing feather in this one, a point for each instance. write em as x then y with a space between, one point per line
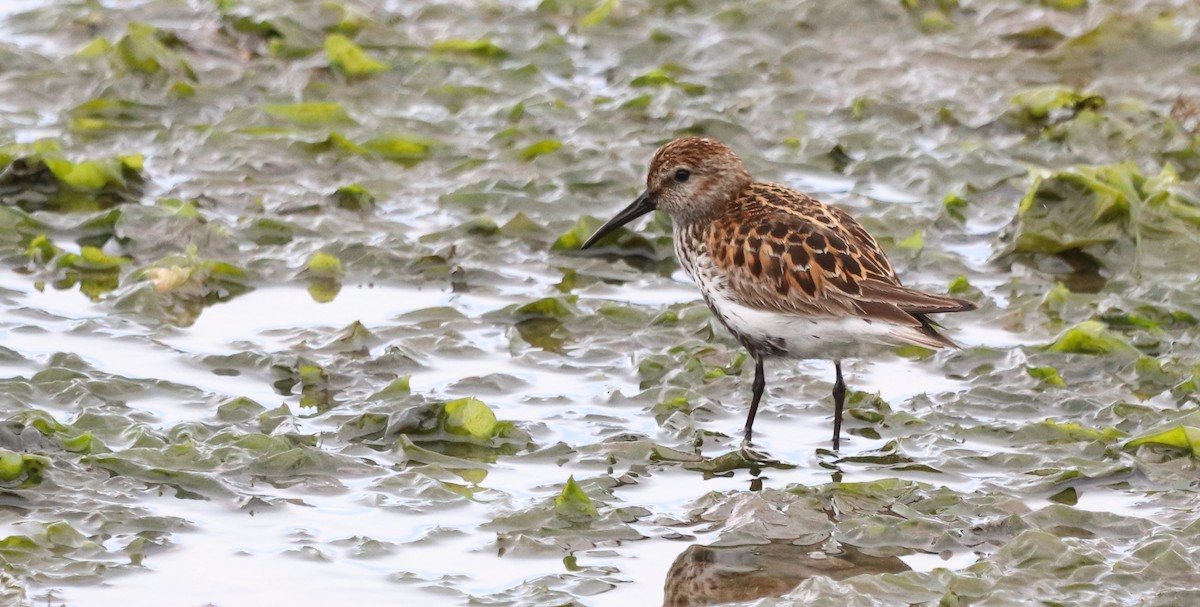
784 252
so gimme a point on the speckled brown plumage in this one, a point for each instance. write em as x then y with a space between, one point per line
786 274
782 251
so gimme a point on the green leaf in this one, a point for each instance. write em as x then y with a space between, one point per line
471 475
12 465
479 48
98 114
84 443
522 226
265 232
324 265
325 277
1048 376
239 409
354 197
1048 104
1065 5
955 205
314 112
471 417
41 250
324 290
183 90
655 77
314 387
726 462
133 162
1077 208
400 149
541 148
915 242
142 51
86 175
935 21
640 102
959 285
1091 337
91 259
1067 496
597 15
548 307
478 226
96 47
338 141
665 76
400 385
1074 432
1180 437
349 58
573 504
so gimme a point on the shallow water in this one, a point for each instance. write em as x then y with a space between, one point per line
251 406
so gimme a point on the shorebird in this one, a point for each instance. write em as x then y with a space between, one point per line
787 275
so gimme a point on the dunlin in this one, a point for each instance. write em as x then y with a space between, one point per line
787 275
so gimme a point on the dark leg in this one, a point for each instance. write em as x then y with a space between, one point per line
760 383
839 401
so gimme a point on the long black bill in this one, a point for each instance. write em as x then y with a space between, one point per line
640 207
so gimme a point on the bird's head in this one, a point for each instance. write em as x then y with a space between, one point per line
689 179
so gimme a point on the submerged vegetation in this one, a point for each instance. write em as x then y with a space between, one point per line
273 272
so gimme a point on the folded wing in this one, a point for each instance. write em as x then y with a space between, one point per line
816 261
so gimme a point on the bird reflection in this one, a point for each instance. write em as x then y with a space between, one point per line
711 575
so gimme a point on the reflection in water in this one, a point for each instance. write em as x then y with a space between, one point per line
711 575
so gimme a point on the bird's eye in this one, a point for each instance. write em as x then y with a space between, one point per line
682 175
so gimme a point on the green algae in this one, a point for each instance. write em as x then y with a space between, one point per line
349 58
354 197
144 49
407 150
310 112
456 233
573 504
104 114
1045 105
1108 212
470 416
667 76
1048 376
1091 337
93 271
324 272
541 148
1186 438
482 48
40 176
182 286
547 308
599 14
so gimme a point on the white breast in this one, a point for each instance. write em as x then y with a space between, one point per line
804 337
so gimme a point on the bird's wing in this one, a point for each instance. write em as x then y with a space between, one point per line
808 259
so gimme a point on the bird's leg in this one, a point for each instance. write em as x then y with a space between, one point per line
839 401
760 383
